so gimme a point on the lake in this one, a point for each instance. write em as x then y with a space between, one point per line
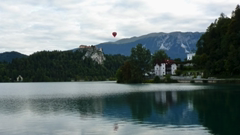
107 108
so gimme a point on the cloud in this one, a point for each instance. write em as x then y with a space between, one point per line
28 26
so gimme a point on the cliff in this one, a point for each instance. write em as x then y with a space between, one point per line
94 53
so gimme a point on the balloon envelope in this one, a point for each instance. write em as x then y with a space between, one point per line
114 34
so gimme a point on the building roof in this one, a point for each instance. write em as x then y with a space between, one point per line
85 46
168 62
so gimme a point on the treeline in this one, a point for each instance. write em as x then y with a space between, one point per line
55 66
218 50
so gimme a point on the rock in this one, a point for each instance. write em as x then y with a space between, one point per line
94 53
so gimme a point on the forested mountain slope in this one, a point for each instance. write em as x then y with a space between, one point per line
218 49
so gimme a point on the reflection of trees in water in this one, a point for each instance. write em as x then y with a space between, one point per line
219 110
157 107
140 105
165 107
143 104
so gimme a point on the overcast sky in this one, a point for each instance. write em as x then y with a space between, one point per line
28 26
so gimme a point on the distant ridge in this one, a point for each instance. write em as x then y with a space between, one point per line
9 56
176 44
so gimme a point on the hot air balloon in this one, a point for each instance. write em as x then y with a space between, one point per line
114 34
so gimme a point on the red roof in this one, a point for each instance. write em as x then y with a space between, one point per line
165 61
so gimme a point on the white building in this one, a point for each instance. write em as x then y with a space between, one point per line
165 67
159 70
19 78
173 69
190 56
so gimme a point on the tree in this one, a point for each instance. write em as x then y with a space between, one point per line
159 56
177 60
156 79
140 58
124 73
178 72
218 48
134 69
47 66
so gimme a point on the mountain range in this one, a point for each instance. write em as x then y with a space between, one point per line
176 44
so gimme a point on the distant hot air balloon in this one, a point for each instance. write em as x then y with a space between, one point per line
114 34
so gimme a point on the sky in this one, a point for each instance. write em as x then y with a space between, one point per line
28 26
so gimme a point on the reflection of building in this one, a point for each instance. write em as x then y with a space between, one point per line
98 105
160 97
91 107
166 97
165 67
174 96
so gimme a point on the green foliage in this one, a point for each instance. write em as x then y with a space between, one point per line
156 79
140 57
3 72
205 81
134 69
119 75
178 72
124 73
149 81
219 48
168 79
55 66
113 62
159 56
177 60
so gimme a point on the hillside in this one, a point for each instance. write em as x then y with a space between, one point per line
55 66
9 56
218 50
176 44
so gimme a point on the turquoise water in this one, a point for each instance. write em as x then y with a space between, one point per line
107 108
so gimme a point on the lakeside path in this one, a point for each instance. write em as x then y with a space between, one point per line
205 80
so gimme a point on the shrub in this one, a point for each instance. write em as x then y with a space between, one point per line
149 81
178 72
205 81
169 80
156 79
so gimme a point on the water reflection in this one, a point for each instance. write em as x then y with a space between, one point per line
162 108
219 110
216 109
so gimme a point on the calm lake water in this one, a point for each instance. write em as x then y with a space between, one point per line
107 108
